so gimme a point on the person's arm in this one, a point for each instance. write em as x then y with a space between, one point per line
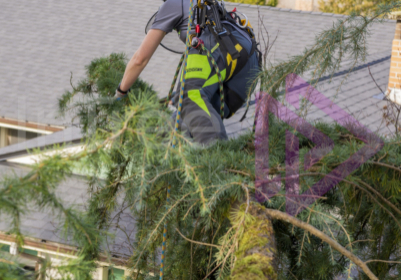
141 58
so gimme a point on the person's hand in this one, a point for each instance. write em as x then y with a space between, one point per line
119 95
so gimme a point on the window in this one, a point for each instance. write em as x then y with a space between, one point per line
4 248
116 274
10 136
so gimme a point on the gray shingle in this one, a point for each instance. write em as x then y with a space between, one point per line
43 224
47 40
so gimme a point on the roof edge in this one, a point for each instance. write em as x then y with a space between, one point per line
56 248
11 155
71 135
19 124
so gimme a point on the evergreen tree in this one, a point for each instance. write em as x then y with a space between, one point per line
272 3
347 7
215 229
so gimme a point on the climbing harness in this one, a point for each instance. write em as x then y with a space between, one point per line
198 43
210 14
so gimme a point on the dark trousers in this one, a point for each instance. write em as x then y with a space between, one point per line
201 103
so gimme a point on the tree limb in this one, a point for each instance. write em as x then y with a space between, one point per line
197 242
275 214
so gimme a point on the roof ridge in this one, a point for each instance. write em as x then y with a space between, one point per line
293 10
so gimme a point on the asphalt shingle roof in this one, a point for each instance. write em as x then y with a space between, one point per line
352 91
44 41
43 224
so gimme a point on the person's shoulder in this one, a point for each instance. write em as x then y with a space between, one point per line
174 2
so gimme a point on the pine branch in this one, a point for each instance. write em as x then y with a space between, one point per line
275 214
197 242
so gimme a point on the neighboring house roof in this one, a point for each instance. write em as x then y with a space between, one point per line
42 224
45 42
68 136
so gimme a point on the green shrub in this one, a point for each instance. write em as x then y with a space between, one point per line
272 3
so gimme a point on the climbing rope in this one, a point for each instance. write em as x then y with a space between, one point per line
184 72
216 68
183 59
170 93
164 238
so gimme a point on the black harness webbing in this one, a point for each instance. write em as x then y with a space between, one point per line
211 16
225 41
222 35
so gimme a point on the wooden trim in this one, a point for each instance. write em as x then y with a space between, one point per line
30 257
57 248
49 246
3 137
24 124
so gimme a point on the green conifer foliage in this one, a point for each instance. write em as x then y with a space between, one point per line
365 7
215 230
207 181
272 3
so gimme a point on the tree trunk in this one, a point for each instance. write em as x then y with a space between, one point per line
255 254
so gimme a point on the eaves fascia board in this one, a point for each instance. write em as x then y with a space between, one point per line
25 152
57 249
29 126
71 135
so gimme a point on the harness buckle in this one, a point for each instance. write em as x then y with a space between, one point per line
220 33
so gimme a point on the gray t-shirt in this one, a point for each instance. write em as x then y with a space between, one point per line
173 14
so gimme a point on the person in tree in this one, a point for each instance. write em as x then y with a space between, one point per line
232 46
